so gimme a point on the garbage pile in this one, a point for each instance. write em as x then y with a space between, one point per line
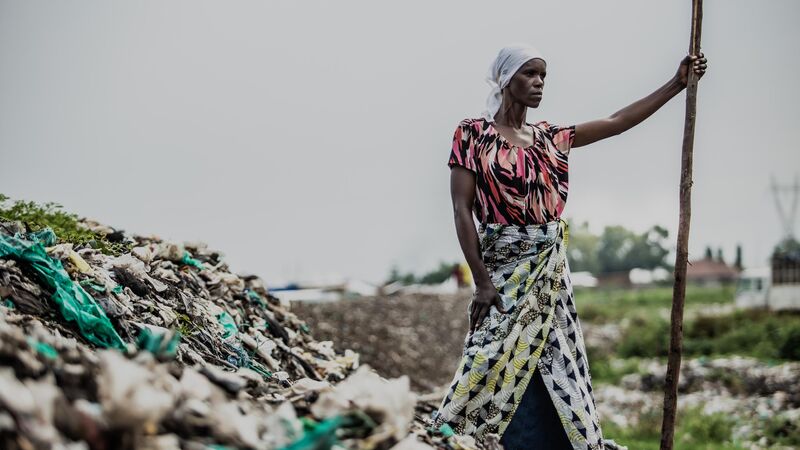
737 374
162 347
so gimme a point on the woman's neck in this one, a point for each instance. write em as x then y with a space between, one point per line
512 116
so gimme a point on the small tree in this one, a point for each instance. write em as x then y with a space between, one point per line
620 249
738 263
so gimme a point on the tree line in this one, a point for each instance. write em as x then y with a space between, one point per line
615 249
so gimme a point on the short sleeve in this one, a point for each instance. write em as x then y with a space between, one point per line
563 137
463 151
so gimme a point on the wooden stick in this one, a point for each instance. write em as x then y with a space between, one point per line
681 258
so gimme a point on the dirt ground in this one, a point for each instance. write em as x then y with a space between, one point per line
418 335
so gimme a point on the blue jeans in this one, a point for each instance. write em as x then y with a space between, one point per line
535 424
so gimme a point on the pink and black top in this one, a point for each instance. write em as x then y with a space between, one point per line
515 185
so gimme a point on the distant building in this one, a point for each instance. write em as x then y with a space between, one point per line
753 288
583 279
776 287
635 277
710 272
785 277
620 279
647 277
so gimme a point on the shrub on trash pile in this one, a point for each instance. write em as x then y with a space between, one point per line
66 226
196 356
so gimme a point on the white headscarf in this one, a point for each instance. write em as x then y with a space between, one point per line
508 61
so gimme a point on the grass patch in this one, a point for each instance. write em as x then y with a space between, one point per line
779 430
607 370
758 333
65 225
612 304
645 337
643 313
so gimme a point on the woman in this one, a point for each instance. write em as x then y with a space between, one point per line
524 357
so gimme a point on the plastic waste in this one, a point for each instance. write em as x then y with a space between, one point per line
317 435
75 304
43 348
389 402
159 341
228 325
188 260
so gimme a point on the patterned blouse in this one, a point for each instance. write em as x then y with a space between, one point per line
515 185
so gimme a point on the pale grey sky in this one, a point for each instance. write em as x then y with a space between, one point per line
310 138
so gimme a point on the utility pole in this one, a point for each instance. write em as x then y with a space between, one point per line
682 254
787 217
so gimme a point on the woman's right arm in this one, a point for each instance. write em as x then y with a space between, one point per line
462 191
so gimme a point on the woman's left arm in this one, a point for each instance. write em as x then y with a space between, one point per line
630 116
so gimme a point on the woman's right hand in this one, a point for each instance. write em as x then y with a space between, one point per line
484 298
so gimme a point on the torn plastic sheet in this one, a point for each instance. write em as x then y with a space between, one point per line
228 325
189 261
159 341
317 435
43 348
75 304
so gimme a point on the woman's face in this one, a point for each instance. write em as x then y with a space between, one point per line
527 84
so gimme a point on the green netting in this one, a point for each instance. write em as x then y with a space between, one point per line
188 260
228 325
97 287
158 343
46 237
317 435
76 304
43 349
253 295
260 369
446 430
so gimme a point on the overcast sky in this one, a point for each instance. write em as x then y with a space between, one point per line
309 139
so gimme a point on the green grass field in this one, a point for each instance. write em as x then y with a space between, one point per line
614 304
644 316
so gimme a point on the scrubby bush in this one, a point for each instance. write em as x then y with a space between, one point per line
645 337
780 430
790 345
758 333
65 225
694 431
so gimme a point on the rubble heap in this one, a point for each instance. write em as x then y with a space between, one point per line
754 394
160 346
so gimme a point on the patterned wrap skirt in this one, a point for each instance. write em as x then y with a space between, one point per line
540 330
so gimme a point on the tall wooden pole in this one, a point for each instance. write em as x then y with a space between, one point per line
681 258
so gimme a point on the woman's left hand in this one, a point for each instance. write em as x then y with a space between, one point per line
697 62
